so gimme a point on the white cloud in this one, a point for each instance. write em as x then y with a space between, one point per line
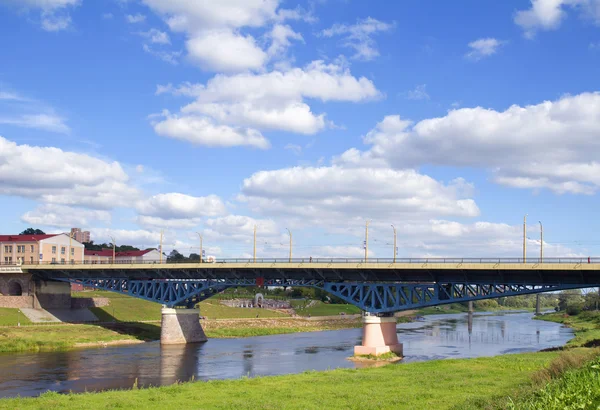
275 100
155 222
224 50
550 145
64 216
240 228
359 36
55 176
46 122
296 149
548 14
53 13
156 36
203 131
419 93
280 36
140 237
135 18
484 47
180 206
170 57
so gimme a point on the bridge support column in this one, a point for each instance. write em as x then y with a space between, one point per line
538 310
181 326
379 337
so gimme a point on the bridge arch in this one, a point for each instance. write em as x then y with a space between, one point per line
15 288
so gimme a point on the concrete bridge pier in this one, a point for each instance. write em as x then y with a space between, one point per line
379 336
181 326
538 310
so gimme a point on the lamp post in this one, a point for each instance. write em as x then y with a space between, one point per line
254 243
394 228
541 242
366 241
162 231
200 236
290 244
70 245
114 249
525 238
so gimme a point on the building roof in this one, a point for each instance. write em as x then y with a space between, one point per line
109 252
103 252
25 238
134 253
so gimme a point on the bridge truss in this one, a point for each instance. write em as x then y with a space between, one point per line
370 297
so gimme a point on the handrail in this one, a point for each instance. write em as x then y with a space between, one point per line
306 262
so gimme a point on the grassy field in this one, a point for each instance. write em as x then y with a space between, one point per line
61 337
10 317
324 309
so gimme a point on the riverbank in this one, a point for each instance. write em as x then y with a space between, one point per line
440 384
586 326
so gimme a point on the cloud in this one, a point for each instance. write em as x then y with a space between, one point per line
551 145
107 16
240 228
156 36
64 216
484 47
215 42
60 177
548 14
359 36
170 57
53 13
140 237
180 206
275 100
296 149
46 122
280 36
419 93
155 222
203 131
137 18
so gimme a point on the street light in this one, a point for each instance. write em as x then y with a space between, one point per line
525 238
394 228
366 241
162 231
114 249
200 236
541 242
290 244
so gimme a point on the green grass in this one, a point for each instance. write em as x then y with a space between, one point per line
61 337
276 326
11 317
586 326
442 384
215 310
324 309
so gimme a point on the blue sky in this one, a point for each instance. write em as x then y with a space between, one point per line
128 117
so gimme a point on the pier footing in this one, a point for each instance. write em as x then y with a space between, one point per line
181 326
379 337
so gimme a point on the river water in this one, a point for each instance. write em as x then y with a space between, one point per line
435 337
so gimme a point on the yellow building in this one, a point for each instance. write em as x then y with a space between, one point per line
31 249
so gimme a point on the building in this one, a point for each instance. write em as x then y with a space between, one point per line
51 248
80 236
106 256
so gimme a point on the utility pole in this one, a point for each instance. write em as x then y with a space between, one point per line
162 231
367 241
525 238
541 242
394 228
290 244
70 245
200 236
114 249
254 243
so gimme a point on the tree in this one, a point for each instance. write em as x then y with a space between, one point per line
570 298
175 256
31 231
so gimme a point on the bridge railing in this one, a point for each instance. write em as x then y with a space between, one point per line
330 261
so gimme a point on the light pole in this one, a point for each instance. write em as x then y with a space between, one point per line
200 236
290 244
70 244
541 242
525 238
254 243
394 228
114 249
162 231
366 241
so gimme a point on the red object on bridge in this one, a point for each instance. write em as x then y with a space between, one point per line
260 281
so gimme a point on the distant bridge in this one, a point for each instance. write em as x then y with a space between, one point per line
380 286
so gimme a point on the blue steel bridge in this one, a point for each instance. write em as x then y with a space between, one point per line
378 286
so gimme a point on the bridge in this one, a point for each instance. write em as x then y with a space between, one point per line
379 287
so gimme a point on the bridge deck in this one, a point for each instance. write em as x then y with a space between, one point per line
565 271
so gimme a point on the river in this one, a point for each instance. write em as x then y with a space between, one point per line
435 337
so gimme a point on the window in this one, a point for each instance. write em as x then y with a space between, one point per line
20 259
62 260
62 250
32 250
72 251
31 259
72 260
8 249
8 259
20 248
54 249
53 260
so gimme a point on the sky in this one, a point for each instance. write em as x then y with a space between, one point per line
449 121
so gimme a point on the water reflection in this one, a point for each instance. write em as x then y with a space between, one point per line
437 337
